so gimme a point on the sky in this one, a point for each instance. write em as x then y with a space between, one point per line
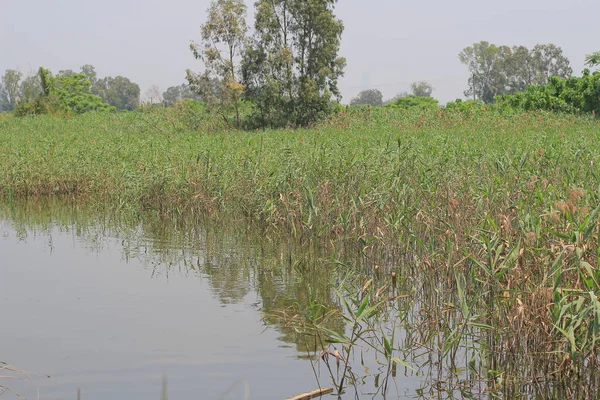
388 44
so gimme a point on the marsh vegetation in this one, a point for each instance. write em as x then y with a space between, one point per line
456 247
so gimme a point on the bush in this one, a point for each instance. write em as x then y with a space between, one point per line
63 95
412 101
571 95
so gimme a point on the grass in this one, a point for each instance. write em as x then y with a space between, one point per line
492 218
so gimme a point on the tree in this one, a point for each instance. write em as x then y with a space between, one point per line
223 41
396 97
548 61
487 75
291 69
496 70
154 94
74 93
592 60
372 97
67 93
519 70
421 89
66 72
30 88
119 92
183 91
10 89
14 89
90 72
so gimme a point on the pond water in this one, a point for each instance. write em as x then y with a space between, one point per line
117 305
115 310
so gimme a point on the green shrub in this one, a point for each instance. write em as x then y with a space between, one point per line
464 105
63 94
571 95
412 101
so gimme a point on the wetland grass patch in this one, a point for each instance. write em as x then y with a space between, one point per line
489 221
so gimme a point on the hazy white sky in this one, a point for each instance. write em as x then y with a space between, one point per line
387 43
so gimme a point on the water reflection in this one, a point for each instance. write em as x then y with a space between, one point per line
218 305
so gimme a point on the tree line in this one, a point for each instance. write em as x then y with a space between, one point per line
286 72
78 92
419 91
510 78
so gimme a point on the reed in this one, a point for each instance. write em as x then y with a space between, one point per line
493 217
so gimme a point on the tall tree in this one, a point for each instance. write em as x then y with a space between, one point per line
223 41
181 92
292 68
421 89
496 70
90 72
10 89
154 94
548 60
519 69
486 67
30 88
372 97
524 67
117 91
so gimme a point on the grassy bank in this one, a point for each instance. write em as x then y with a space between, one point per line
363 175
504 209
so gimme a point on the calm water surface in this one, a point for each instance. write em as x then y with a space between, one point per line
113 325
112 311
115 303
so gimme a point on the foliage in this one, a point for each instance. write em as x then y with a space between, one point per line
174 94
9 90
396 97
66 93
464 105
592 60
90 72
223 42
412 101
14 89
421 89
372 97
571 95
291 68
119 92
496 70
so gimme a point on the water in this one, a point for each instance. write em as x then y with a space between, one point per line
123 306
94 313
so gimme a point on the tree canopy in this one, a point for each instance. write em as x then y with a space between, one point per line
291 67
498 70
174 94
223 42
421 89
67 92
117 91
13 89
371 97
592 60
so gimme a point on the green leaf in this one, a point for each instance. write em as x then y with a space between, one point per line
403 363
